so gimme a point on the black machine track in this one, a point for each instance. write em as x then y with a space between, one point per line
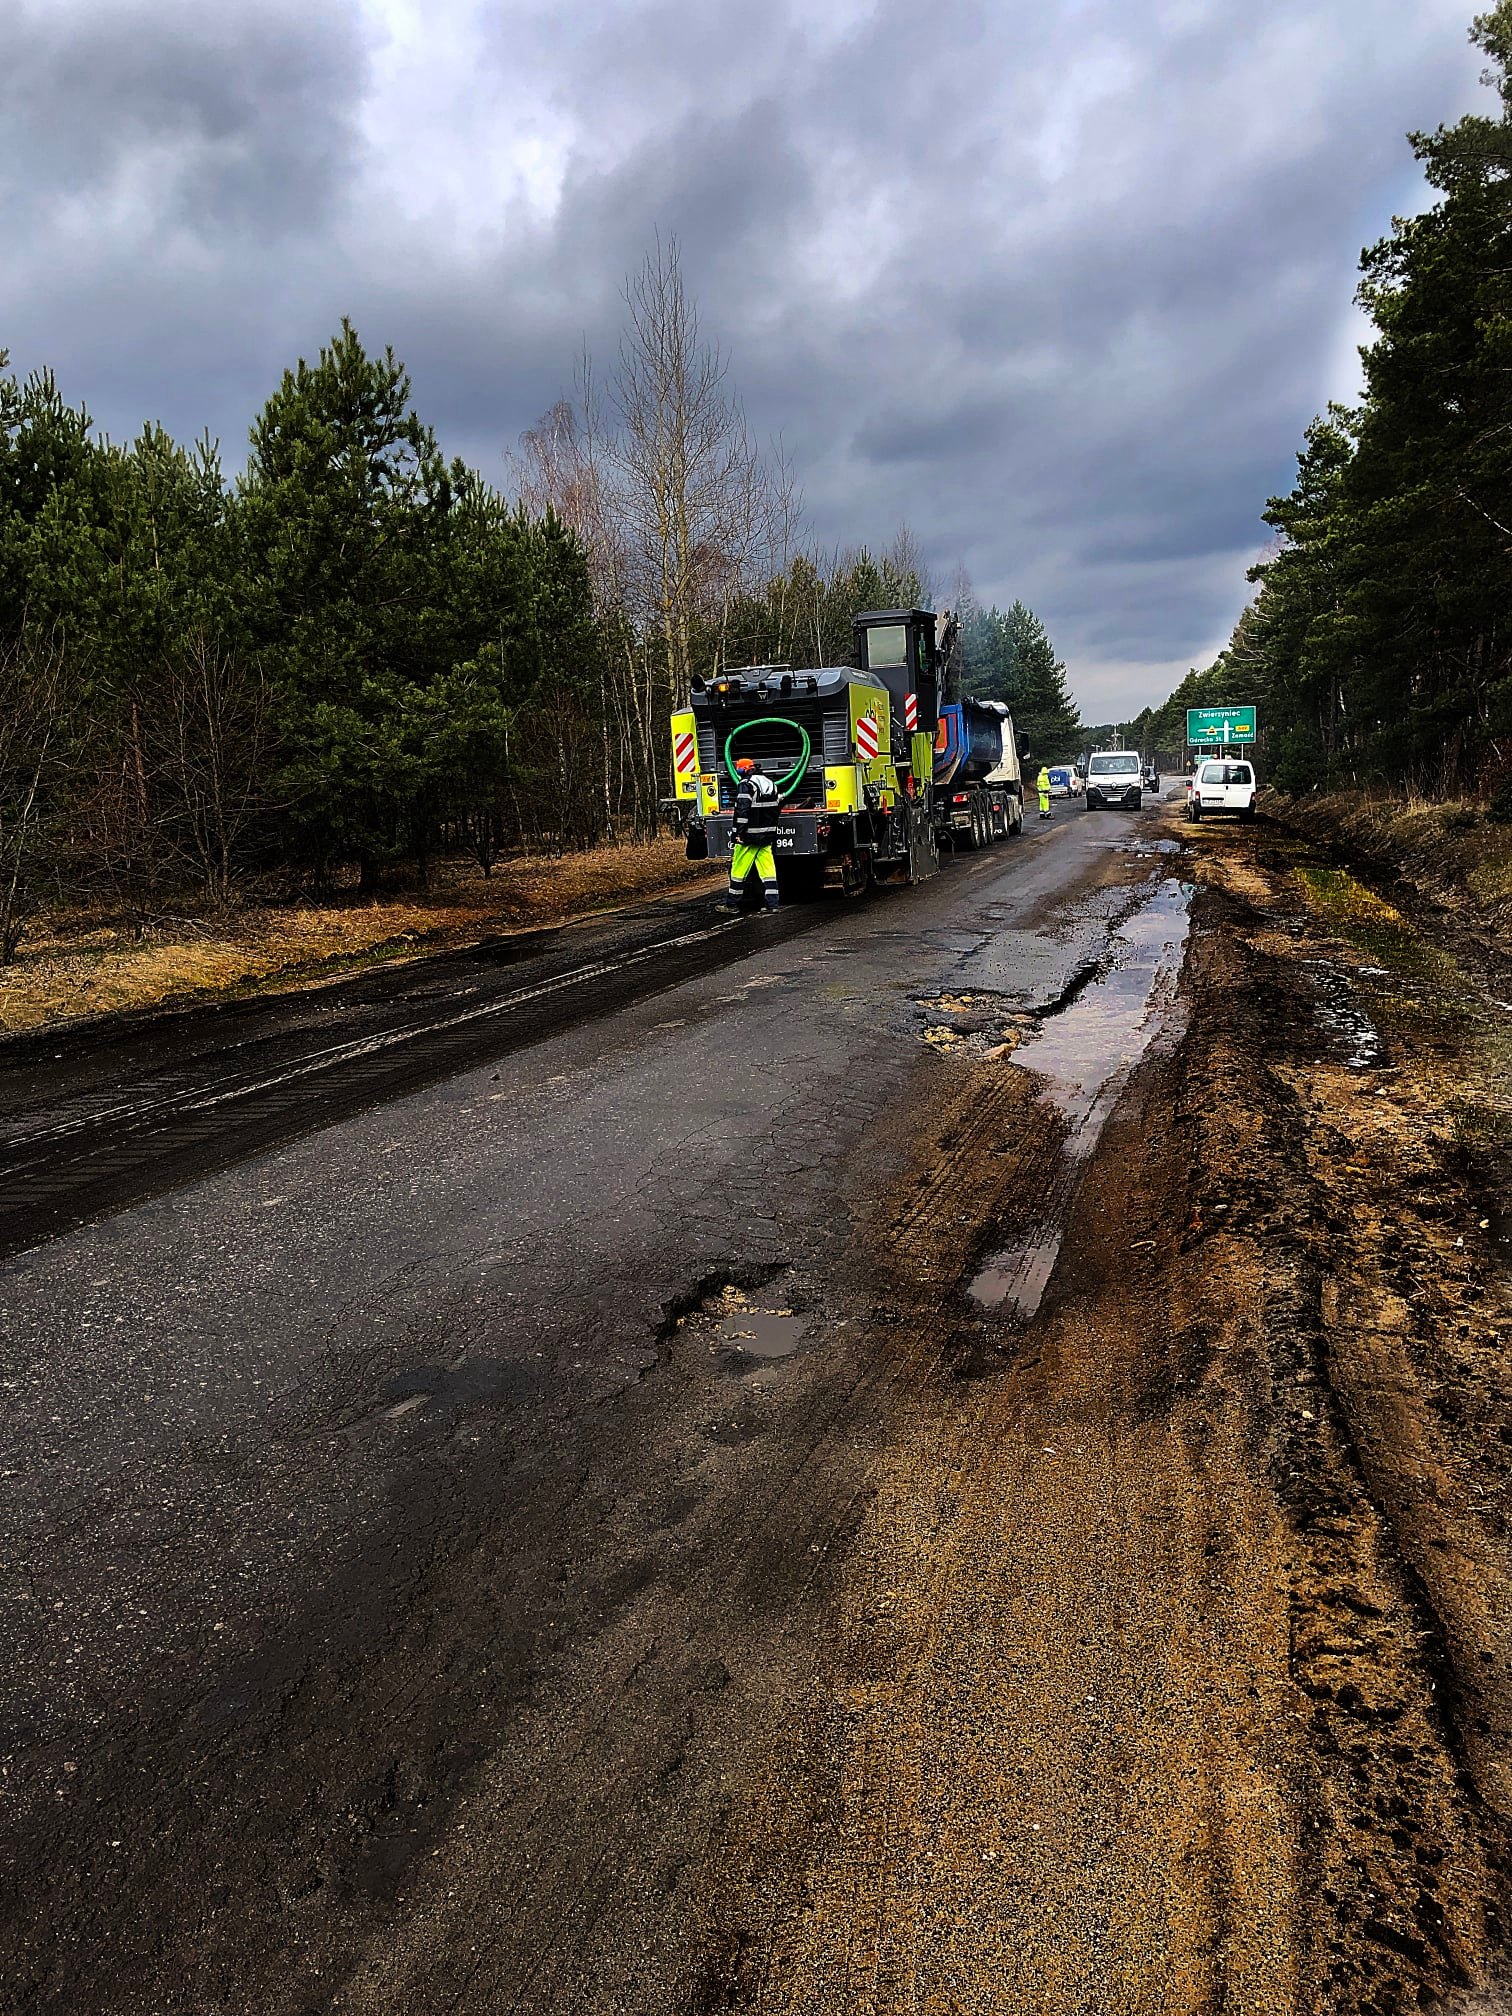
94 1120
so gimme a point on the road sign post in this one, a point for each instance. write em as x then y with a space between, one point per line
1217 727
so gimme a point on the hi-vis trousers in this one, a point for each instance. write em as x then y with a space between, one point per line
743 859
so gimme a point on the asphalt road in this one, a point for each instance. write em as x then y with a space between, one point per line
406 1579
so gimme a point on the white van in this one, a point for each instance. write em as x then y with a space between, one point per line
1114 777
1222 787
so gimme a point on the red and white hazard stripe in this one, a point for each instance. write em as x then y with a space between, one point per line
685 754
868 738
910 711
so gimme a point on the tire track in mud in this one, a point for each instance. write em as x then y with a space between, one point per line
999 1134
946 1698
1396 1629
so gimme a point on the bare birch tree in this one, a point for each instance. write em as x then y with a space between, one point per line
679 510
567 464
692 477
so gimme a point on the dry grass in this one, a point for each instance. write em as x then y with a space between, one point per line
1447 850
72 967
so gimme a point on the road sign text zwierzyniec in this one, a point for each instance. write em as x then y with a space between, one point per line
1221 725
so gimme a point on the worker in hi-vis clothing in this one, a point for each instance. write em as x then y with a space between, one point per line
1042 785
755 830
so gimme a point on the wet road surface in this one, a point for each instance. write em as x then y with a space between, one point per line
735 1498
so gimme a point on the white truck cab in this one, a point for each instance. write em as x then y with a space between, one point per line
1222 786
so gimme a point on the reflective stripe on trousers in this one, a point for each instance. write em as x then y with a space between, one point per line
744 859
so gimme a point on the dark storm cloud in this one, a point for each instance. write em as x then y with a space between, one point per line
231 117
1059 285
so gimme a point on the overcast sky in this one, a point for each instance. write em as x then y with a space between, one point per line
1059 282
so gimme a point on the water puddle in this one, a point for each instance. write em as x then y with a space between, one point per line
1086 1051
762 1333
1344 1022
1082 1048
745 1326
1014 1280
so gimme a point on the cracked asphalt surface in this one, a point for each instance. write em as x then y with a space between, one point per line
425 1591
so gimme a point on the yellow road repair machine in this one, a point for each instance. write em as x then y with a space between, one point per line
851 751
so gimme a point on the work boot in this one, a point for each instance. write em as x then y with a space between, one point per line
773 900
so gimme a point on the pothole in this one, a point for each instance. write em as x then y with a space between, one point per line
984 1024
743 1323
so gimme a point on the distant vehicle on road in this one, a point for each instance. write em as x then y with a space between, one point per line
1062 781
1222 787
1152 778
1114 778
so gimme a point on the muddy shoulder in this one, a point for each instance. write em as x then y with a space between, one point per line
1171 1666
1345 1284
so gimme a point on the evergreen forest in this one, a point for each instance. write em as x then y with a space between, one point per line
1378 643
354 655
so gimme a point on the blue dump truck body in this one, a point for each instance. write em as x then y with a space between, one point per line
978 784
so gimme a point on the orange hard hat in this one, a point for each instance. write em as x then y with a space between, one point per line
745 763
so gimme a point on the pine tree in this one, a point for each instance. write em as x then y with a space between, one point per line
1380 635
1009 657
344 494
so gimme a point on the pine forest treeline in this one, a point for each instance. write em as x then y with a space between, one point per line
354 655
1379 640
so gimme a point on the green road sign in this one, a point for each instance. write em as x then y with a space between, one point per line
1220 724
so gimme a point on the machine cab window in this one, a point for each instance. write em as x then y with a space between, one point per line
886 644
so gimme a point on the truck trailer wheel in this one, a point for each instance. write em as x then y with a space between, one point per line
855 874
